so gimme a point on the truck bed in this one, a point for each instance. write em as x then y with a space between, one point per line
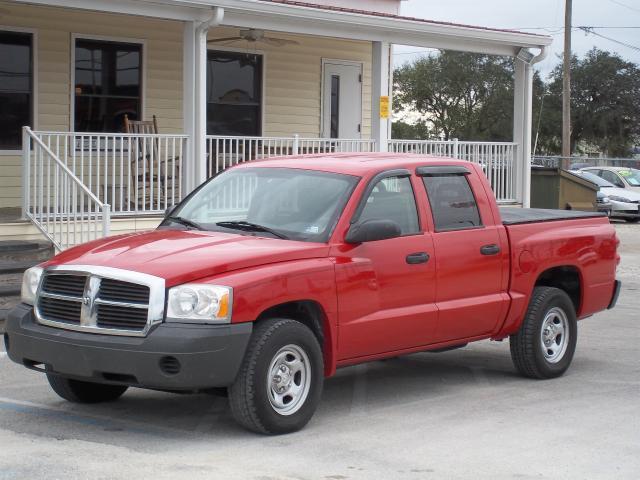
518 216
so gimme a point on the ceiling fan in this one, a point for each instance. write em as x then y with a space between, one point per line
253 35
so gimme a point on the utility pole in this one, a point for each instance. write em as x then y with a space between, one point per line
566 89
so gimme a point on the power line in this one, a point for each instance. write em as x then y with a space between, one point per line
593 32
625 5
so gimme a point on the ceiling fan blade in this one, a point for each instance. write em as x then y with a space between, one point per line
279 42
227 39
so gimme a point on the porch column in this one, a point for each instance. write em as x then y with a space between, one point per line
189 104
522 124
381 87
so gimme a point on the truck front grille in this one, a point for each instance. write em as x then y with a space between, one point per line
92 302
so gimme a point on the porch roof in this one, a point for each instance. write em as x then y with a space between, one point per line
299 17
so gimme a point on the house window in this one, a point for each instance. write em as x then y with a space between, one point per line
108 79
234 93
335 106
16 87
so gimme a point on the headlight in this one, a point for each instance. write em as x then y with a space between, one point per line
30 282
615 198
200 303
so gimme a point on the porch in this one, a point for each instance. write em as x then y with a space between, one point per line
74 170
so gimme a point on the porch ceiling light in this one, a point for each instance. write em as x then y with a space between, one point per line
525 55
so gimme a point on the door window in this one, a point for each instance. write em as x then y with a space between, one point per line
612 177
108 85
16 87
234 93
392 199
453 205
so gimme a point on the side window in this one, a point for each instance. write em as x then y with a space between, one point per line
452 202
612 177
392 199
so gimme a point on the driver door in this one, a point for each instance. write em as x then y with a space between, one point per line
386 288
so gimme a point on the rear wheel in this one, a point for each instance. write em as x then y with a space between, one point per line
545 344
280 381
77 391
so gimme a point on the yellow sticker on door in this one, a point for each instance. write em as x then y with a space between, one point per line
384 107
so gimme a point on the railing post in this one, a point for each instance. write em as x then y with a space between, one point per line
455 148
296 144
106 219
26 171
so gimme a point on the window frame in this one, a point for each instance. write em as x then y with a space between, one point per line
448 171
102 38
371 184
34 81
263 79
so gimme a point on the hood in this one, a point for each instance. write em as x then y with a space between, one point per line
632 195
181 256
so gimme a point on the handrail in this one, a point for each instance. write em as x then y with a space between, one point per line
56 201
64 168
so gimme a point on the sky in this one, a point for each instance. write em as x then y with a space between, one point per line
540 16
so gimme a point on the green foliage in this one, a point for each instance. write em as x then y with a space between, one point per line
470 97
605 105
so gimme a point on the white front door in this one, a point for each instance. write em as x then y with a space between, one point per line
341 100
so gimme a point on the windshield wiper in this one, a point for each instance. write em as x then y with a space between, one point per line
187 223
251 227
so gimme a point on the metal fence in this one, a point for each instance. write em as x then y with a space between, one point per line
579 162
226 151
58 203
134 173
496 158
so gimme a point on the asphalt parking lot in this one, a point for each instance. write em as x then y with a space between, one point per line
460 414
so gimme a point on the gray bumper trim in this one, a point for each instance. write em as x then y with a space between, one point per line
209 355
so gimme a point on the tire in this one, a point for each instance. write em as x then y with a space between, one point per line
77 391
532 357
255 401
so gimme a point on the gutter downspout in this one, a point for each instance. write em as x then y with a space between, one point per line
528 125
214 19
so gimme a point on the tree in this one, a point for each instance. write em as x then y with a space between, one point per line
459 95
605 93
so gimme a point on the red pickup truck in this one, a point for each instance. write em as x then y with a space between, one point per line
273 274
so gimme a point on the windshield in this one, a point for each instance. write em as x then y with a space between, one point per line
276 202
631 175
601 182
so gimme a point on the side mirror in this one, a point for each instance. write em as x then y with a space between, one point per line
169 210
372 230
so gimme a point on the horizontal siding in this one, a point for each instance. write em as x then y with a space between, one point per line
293 80
292 89
162 75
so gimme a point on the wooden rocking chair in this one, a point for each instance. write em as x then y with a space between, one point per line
149 170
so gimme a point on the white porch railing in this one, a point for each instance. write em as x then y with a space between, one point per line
498 160
225 151
134 173
56 200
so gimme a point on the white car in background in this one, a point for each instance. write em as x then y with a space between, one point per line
621 177
625 203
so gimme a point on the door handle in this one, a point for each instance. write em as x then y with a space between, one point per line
416 258
492 249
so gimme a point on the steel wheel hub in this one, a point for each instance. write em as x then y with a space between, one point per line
289 380
554 335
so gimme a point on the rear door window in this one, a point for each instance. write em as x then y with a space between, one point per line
452 202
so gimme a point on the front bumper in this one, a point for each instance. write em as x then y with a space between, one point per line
171 357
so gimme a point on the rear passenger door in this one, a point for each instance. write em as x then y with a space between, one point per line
470 257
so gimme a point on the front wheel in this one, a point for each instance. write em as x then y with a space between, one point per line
280 382
545 344
77 391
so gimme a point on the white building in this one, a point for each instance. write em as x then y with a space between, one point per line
300 77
